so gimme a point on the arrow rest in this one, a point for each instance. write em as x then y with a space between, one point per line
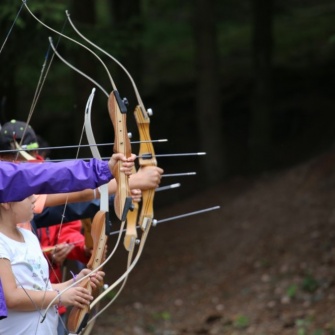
121 102
146 156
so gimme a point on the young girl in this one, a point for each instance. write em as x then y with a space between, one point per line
24 275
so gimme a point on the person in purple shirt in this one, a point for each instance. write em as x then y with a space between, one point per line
18 181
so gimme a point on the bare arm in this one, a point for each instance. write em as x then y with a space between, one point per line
144 179
25 300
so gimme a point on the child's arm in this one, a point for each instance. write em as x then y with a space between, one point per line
24 300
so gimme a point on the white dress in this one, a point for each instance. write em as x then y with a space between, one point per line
31 271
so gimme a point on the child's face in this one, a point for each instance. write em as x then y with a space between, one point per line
23 210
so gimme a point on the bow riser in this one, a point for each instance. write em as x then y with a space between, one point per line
99 231
131 232
146 147
146 150
117 112
147 211
78 317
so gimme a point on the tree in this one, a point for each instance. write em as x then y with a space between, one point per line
261 105
85 14
127 24
208 100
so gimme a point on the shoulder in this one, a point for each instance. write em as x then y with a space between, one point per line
28 235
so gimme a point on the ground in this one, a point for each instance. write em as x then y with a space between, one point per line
262 265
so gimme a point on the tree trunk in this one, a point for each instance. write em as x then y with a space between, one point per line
261 108
83 12
126 19
208 99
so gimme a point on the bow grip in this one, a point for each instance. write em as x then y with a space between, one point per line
78 317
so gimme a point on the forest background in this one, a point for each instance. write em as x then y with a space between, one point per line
248 82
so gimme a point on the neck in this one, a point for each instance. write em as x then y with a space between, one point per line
13 234
9 228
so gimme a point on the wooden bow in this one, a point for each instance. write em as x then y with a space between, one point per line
101 228
123 200
146 158
146 217
116 106
118 113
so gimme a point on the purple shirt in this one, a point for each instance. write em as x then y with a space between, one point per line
3 307
18 181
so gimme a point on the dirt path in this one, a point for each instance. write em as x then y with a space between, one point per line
262 265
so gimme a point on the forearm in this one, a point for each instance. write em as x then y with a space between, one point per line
24 300
62 286
80 196
76 211
73 197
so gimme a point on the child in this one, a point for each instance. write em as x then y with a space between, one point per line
24 275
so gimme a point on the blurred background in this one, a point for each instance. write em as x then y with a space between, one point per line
248 82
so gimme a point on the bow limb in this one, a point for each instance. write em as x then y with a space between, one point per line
100 231
124 275
129 243
72 40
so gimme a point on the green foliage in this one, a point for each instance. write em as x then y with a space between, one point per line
241 322
310 284
303 31
292 291
318 332
302 326
162 316
110 295
46 10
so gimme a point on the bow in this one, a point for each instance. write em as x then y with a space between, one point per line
100 231
123 201
147 158
122 145
143 122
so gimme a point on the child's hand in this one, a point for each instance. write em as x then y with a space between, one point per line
96 278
